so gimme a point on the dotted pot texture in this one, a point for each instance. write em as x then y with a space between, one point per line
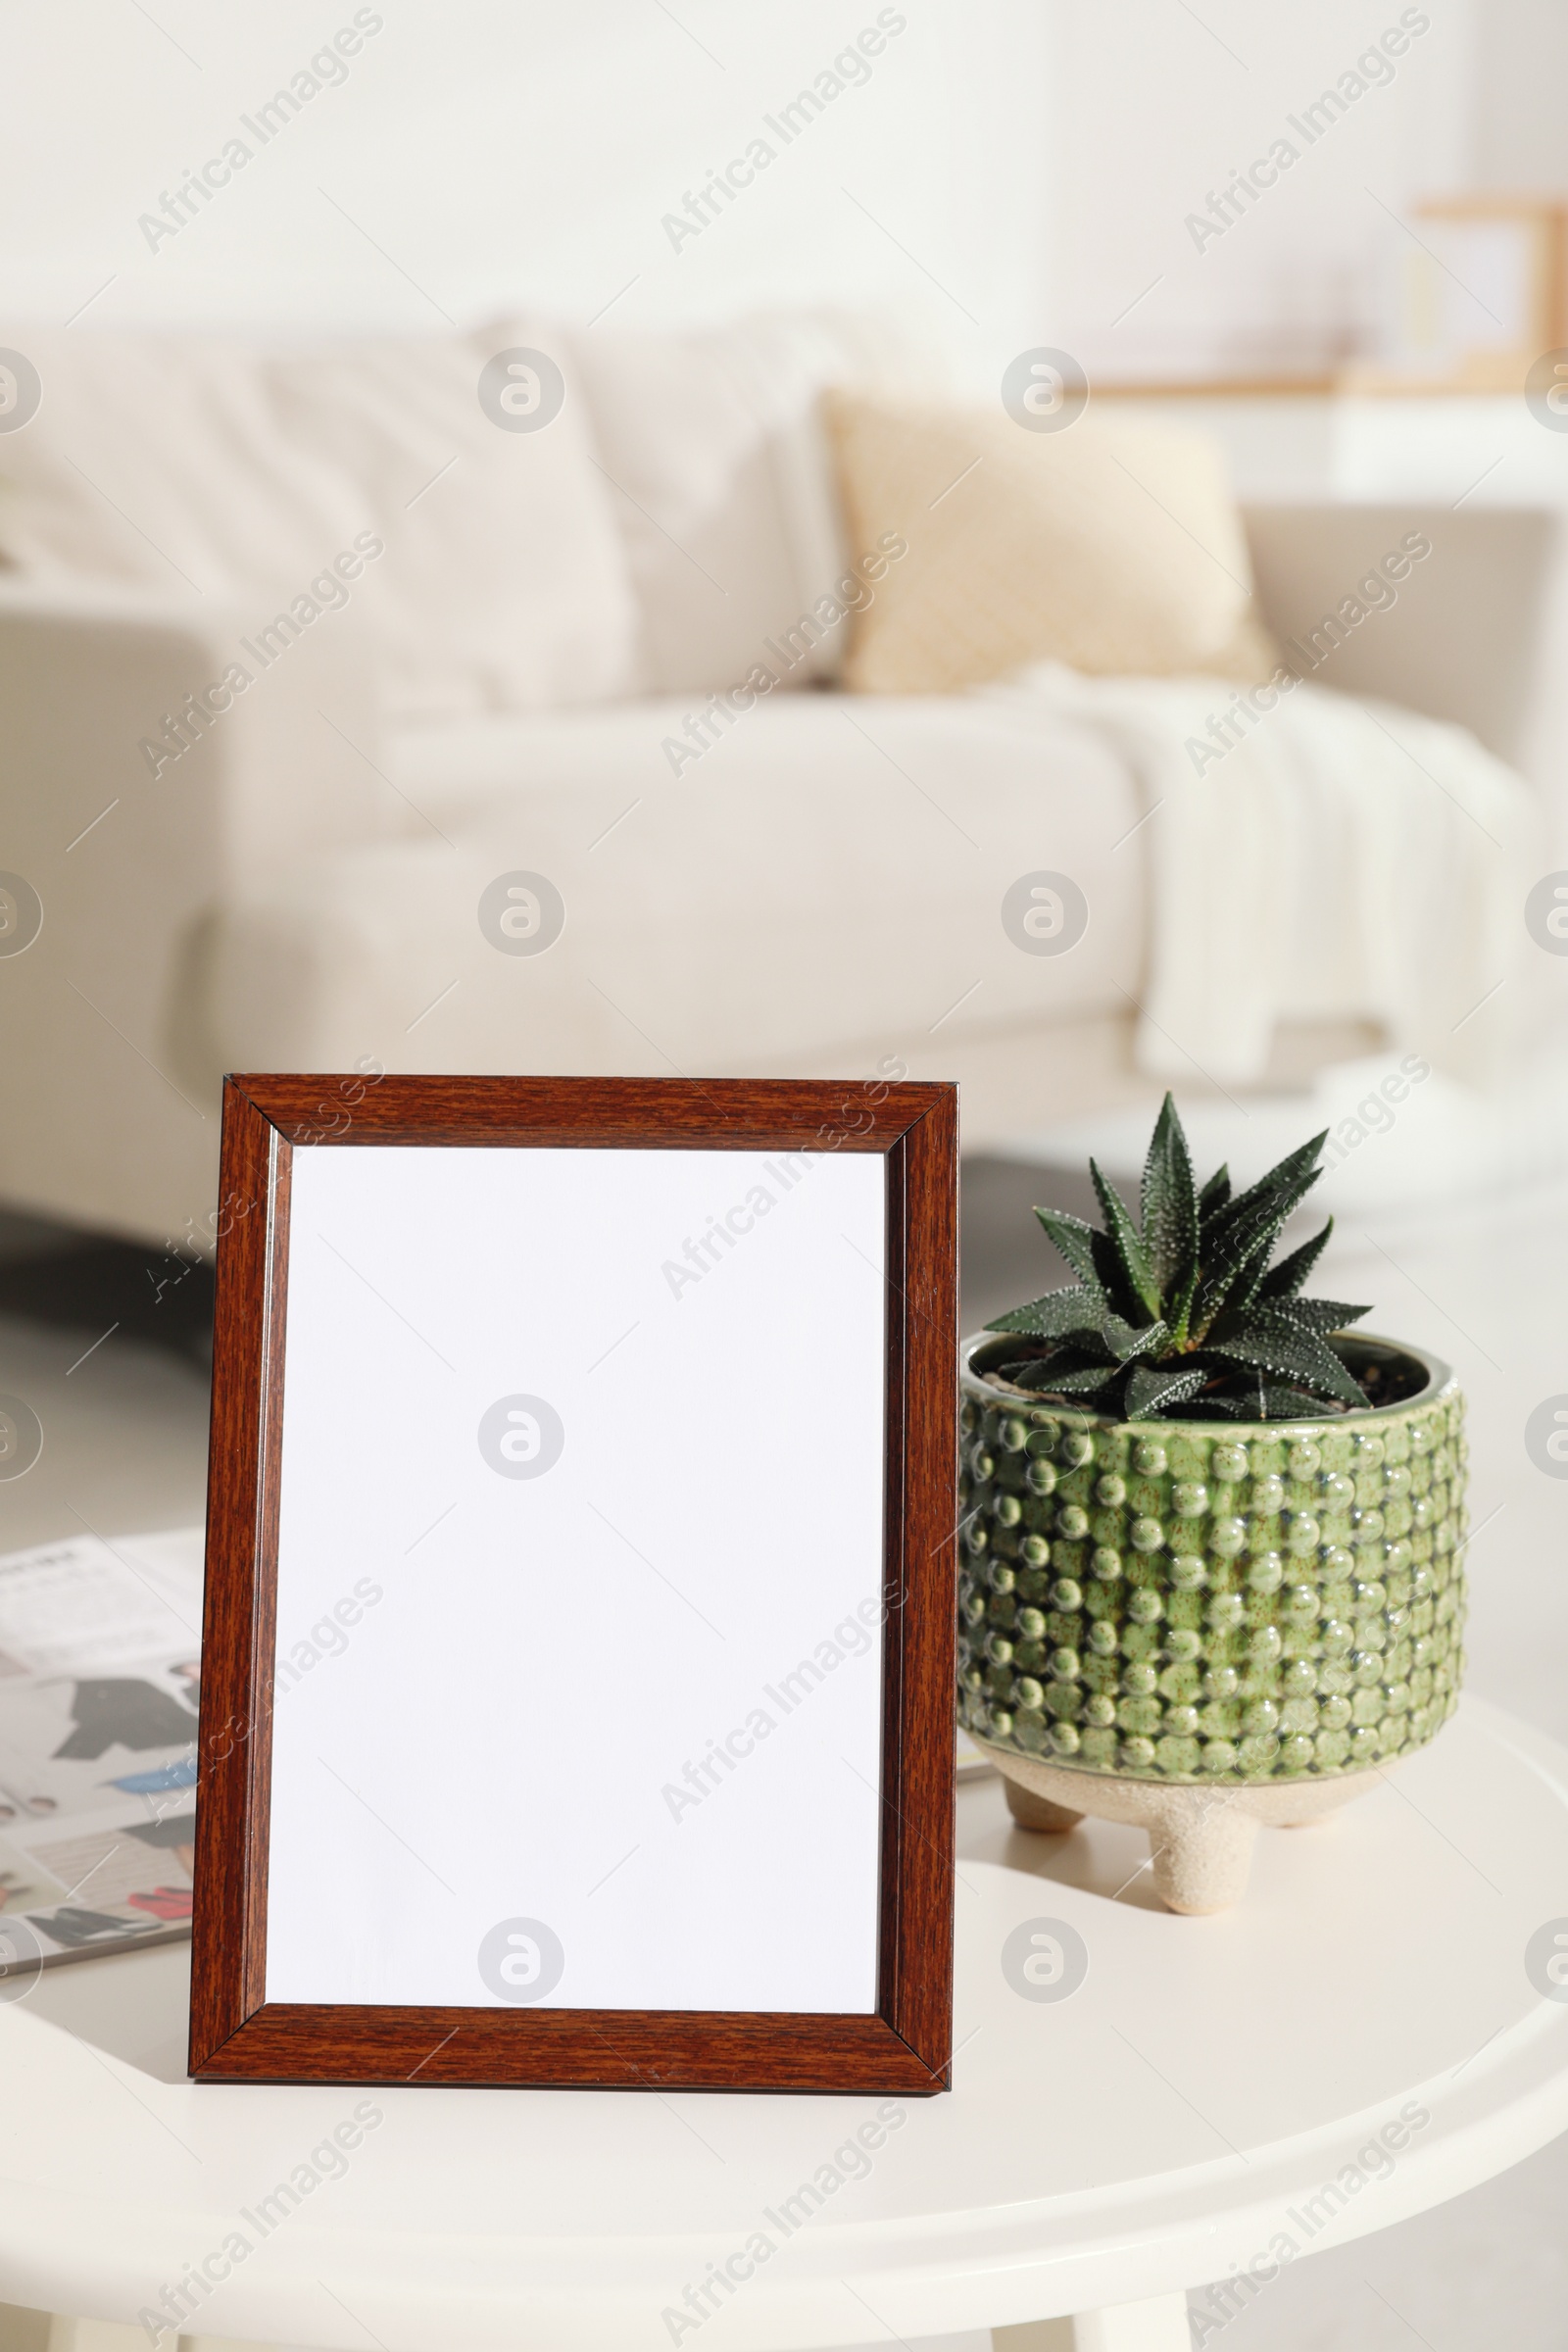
1210 1601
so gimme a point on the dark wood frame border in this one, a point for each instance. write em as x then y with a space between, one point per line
904 2046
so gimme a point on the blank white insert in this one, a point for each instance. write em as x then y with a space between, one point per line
635 1696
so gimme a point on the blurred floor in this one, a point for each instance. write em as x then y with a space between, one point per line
124 1412
1483 1284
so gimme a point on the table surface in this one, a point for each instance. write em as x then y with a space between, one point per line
1206 2092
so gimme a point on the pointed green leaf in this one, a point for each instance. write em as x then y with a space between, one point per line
1124 1238
1273 1341
1077 1241
1286 1404
1232 1250
1286 1279
1252 1273
1168 1201
1083 1379
1151 1392
1214 1195
1088 1347
1126 1342
1093 1257
1056 1315
1180 1314
1117 1341
1252 1395
1324 1314
1279 1180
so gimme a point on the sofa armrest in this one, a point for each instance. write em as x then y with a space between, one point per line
131 830
1458 637
281 765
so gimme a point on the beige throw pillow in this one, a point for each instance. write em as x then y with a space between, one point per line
1115 550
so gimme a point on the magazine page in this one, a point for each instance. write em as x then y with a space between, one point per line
99 1648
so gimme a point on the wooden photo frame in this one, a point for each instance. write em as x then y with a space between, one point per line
578 1653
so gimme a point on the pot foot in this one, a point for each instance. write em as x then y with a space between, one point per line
1201 1856
1040 1813
1200 1838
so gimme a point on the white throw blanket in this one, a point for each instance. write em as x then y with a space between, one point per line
1341 859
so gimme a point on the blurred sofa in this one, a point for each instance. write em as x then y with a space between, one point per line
307 657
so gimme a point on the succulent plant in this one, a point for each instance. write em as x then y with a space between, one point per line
1182 1314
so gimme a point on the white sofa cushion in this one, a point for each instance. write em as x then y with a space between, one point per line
830 875
221 466
725 489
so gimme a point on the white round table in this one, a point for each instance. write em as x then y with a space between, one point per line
1358 2040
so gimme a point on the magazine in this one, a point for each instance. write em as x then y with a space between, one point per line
99 1648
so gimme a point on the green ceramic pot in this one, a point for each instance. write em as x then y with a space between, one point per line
1210 1601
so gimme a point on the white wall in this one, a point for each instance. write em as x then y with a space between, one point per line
1154 107
1013 172
1521 96
484 154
